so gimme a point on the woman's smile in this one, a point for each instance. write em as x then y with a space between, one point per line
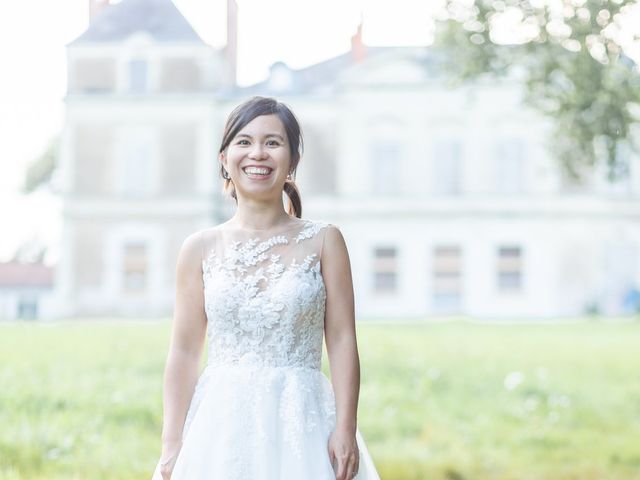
257 172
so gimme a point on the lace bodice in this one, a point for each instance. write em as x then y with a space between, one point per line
264 295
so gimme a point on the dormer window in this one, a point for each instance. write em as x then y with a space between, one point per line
95 75
180 75
280 78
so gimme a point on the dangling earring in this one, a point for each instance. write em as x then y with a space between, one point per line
225 174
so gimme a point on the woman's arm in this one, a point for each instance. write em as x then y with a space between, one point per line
340 337
185 350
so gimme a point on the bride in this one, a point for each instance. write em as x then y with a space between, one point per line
263 289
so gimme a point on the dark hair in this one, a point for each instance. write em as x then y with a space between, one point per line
245 113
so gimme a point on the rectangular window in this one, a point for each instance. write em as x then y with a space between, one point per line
509 268
386 167
137 162
620 184
135 267
509 164
385 270
447 171
27 308
447 278
137 76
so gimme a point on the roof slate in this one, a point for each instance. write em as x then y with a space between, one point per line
159 18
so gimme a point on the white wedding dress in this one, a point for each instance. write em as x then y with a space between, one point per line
262 408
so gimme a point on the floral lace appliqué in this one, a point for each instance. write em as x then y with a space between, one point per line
310 230
262 310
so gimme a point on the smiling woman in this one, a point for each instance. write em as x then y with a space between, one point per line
262 134
274 284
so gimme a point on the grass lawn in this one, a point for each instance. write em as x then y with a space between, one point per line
446 401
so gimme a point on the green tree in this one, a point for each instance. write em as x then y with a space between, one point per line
40 170
570 53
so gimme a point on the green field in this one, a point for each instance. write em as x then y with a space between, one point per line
445 401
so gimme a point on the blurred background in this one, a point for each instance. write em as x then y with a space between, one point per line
481 158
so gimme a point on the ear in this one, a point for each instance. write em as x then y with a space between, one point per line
223 159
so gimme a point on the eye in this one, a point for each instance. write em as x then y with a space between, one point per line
273 142
240 142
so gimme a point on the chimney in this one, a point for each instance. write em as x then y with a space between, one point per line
95 7
231 49
358 49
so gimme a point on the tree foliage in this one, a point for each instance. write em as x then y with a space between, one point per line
40 170
571 56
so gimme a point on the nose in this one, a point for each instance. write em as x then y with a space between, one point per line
257 151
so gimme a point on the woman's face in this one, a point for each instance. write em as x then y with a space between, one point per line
262 143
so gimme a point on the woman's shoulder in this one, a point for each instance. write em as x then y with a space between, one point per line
190 252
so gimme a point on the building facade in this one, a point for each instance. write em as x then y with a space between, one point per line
449 198
25 289
137 157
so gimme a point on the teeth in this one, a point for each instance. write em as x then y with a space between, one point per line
257 170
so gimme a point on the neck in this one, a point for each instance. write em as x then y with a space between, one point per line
258 215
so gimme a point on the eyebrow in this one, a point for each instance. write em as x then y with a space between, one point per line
267 135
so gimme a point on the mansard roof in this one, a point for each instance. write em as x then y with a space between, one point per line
159 18
318 75
325 75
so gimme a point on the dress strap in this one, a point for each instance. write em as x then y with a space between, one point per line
310 230
324 236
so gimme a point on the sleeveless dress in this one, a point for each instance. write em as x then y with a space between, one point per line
262 408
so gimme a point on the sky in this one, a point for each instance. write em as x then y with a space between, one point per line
33 35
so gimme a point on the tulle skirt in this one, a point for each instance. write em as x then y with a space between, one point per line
248 422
